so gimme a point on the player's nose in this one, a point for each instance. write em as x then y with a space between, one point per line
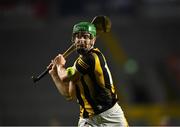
81 40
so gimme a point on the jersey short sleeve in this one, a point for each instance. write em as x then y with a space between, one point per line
85 64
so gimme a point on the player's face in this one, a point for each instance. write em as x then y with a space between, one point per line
84 42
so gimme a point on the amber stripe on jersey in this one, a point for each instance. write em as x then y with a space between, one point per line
106 73
103 66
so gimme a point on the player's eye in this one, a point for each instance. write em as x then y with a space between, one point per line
77 35
86 36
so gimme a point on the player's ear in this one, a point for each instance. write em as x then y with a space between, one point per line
93 40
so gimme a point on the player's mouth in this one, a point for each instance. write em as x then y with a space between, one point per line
80 46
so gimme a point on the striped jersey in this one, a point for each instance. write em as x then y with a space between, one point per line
95 90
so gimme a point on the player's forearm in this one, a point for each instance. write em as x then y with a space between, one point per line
62 88
67 89
72 91
61 70
63 83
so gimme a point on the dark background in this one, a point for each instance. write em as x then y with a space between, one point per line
142 51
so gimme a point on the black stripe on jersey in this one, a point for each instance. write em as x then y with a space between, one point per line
101 95
97 88
91 74
88 96
79 96
91 61
80 68
105 73
85 64
85 113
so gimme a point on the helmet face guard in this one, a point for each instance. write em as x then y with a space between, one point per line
85 27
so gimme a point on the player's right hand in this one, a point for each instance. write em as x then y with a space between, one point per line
60 60
56 64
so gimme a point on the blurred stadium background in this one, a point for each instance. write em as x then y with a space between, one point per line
142 50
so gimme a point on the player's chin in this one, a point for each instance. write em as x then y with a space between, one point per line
82 50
